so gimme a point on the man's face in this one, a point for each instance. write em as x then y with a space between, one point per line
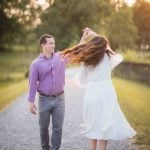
49 46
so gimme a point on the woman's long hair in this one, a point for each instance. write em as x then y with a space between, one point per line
90 53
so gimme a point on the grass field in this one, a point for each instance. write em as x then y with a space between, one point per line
13 67
10 90
134 98
137 56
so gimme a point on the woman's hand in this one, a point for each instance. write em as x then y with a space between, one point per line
89 32
84 36
87 35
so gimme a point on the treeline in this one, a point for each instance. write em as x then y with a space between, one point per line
23 21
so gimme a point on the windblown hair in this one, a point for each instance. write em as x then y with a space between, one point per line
90 53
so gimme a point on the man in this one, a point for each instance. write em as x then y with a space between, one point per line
47 77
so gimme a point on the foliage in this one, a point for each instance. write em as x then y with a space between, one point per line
66 19
142 21
16 17
137 56
121 30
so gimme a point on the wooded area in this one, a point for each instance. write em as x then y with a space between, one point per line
23 21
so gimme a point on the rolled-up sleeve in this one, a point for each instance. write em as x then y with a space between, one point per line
33 79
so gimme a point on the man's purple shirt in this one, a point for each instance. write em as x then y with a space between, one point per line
47 75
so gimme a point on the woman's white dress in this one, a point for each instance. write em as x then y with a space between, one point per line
103 118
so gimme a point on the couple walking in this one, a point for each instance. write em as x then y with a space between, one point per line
103 118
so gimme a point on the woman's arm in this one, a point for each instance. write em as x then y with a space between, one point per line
84 37
110 50
115 58
88 34
92 34
81 76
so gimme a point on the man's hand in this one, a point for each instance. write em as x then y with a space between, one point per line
33 108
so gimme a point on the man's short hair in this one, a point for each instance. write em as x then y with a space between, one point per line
43 37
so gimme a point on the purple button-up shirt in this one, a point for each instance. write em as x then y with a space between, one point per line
47 75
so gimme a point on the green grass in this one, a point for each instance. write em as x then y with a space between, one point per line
134 98
13 67
20 48
15 61
137 56
10 90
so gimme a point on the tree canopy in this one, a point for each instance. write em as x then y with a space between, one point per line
142 21
121 30
125 27
65 19
16 17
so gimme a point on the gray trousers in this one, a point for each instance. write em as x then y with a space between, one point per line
55 107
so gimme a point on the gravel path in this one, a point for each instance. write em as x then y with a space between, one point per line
19 129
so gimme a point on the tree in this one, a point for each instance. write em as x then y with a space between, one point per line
121 30
65 19
15 17
142 21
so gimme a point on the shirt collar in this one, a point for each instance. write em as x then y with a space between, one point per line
43 57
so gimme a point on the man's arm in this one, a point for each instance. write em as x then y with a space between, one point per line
33 78
82 41
87 33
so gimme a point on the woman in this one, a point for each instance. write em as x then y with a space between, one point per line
103 118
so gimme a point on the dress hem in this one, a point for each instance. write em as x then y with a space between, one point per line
112 139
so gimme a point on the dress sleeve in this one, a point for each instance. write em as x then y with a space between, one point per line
115 60
81 77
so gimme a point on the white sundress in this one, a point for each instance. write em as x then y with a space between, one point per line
103 118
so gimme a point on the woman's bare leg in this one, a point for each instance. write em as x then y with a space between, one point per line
102 144
92 144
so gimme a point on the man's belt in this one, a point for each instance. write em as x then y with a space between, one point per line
51 95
